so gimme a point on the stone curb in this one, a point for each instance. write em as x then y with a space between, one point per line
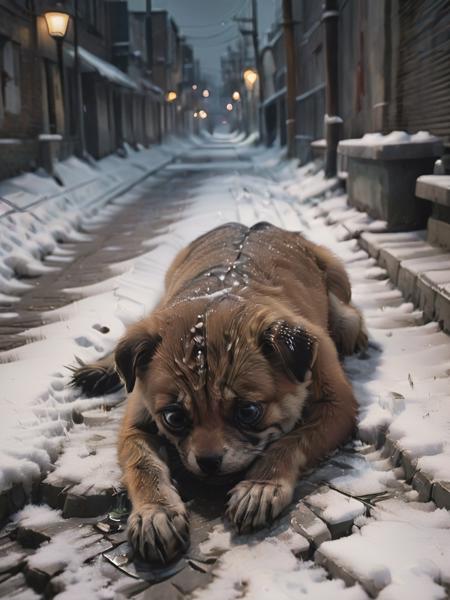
434 301
417 286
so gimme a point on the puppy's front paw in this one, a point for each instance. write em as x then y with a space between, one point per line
158 533
254 504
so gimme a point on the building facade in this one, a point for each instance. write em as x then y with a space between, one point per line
273 61
392 68
53 105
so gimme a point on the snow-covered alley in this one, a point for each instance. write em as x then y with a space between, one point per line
369 522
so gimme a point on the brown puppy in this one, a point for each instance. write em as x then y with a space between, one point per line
238 368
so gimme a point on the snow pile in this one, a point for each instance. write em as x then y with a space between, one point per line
55 214
269 569
39 516
361 475
335 507
89 462
404 550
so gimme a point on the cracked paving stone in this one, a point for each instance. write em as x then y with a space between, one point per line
338 571
54 492
120 557
422 484
57 494
15 587
12 557
441 494
91 505
409 465
308 524
35 536
161 591
91 546
11 501
337 510
189 579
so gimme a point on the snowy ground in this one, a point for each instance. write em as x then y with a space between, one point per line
399 547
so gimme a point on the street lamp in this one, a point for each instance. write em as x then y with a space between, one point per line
171 96
229 107
57 25
236 96
203 114
250 78
205 93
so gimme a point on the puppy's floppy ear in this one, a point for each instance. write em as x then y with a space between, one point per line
134 353
289 347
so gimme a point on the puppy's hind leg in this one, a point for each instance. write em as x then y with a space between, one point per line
96 379
347 327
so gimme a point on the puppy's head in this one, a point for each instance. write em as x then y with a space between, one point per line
221 380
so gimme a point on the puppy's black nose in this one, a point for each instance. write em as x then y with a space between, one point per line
209 463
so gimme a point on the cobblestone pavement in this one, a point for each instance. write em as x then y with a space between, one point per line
94 524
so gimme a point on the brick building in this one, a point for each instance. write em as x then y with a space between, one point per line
48 113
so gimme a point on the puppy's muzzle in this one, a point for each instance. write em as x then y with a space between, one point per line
209 463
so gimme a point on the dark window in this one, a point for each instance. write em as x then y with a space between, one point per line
10 77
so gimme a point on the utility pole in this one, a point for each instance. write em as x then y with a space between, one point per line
291 77
333 123
253 32
258 66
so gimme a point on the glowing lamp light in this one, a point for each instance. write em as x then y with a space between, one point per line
57 24
194 87
171 96
250 78
196 115
203 114
229 107
236 96
205 93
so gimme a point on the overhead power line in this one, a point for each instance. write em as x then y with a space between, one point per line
235 11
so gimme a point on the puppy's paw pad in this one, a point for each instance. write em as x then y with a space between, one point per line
158 533
254 504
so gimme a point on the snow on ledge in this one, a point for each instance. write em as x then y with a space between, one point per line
395 145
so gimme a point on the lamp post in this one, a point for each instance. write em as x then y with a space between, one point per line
57 24
251 77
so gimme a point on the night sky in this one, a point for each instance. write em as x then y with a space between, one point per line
209 27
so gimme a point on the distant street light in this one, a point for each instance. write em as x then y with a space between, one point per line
171 96
203 114
196 115
229 107
205 93
236 96
250 78
194 87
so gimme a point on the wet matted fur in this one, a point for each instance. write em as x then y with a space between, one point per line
238 368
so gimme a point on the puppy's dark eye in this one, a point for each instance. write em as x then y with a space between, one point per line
248 413
175 418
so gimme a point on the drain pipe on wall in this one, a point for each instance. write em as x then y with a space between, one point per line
333 123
